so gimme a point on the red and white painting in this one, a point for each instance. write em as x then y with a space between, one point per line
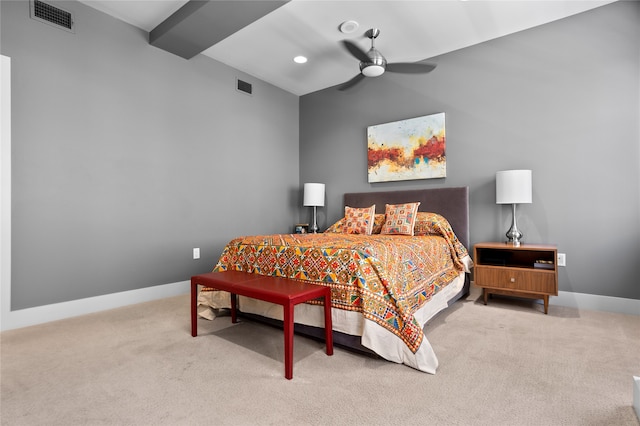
408 149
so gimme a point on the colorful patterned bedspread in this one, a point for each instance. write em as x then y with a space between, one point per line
386 277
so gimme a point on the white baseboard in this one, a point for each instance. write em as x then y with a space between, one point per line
57 311
593 302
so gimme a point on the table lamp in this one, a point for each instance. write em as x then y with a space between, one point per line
314 197
513 187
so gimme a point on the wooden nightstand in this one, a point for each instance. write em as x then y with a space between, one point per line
528 270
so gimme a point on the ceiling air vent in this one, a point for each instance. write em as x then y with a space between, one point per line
59 18
243 86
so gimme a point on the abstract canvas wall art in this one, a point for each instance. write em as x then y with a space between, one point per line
408 149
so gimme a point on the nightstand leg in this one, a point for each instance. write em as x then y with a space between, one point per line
546 304
485 293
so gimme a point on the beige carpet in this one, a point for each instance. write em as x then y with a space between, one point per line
502 364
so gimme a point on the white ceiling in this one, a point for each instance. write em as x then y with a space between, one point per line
410 31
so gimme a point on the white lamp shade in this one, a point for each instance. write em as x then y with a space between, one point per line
314 194
513 187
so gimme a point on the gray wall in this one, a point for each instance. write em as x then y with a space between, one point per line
125 157
562 99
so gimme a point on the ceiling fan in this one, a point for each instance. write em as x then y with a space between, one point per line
373 64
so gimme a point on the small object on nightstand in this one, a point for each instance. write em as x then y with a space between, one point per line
543 264
527 270
301 228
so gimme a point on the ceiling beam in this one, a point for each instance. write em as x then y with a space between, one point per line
200 24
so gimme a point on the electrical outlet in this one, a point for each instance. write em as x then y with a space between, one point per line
196 253
562 259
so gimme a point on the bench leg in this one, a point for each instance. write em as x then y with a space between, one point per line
234 304
328 326
194 309
288 341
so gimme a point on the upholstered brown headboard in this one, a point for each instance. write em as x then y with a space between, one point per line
452 203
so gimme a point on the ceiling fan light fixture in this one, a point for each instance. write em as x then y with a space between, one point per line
373 70
373 64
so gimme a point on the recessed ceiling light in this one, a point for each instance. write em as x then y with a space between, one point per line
348 27
300 59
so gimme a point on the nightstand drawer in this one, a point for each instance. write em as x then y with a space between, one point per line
525 280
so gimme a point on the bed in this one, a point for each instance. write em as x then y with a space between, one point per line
385 286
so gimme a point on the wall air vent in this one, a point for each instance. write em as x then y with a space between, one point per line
59 18
243 86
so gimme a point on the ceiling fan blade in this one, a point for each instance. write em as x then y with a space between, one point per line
358 53
349 84
410 67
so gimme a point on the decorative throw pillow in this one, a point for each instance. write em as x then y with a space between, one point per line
378 221
336 227
359 220
400 218
429 223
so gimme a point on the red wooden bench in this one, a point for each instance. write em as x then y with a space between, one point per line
282 291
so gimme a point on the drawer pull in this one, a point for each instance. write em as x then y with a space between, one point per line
513 280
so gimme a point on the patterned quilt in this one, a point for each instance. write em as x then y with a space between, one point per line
385 277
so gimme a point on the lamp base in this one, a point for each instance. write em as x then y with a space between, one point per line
314 227
513 243
513 234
